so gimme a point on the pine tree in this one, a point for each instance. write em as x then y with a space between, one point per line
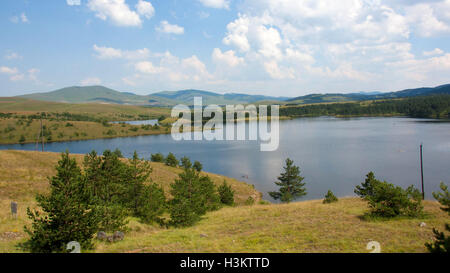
226 194
198 166
442 241
193 196
171 160
107 180
139 173
290 183
186 163
157 157
65 217
330 198
367 187
151 204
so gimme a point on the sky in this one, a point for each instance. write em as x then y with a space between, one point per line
267 47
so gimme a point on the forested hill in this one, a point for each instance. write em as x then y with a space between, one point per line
435 106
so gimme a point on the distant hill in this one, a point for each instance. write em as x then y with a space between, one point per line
187 97
101 94
324 98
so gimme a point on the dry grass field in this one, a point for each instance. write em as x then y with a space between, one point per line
308 226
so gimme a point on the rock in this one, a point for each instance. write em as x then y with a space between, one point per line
101 235
203 235
110 239
118 236
422 224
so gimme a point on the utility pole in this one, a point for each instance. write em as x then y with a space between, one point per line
421 170
42 135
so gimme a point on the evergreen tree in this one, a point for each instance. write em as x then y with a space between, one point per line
151 204
198 166
226 194
107 180
186 163
171 160
157 157
330 198
65 217
139 173
193 196
442 241
367 187
290 183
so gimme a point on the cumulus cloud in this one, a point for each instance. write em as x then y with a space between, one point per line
119 13
166 27
114 53
217 4
228 58
145 9
15 75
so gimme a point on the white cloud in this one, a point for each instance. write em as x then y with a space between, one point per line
113 53
91 81
166 27
228 58
117 11
13 56
8 70
22 18
15 75
145 9
147 68
217 4
434 52
73 2
237 34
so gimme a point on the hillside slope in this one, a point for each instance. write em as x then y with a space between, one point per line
308 226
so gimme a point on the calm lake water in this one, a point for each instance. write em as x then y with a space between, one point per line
333 153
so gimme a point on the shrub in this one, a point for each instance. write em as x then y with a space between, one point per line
171 160
330 198
226 194
388 200
157 157
22 139
250 201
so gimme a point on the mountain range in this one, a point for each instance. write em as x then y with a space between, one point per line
101 94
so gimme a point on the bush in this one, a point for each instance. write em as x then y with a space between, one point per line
22 139
226 194
157 157
388 200
330 198
171 160
250 201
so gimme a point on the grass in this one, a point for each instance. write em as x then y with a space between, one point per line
308 226
20 127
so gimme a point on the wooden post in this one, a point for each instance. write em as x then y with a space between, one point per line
421 170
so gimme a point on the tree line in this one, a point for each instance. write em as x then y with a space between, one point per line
419 107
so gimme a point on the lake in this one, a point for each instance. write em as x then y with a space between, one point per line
333 153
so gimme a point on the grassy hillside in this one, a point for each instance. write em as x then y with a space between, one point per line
20 120
108 111
297 227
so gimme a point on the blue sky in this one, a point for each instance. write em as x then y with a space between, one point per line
271 47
